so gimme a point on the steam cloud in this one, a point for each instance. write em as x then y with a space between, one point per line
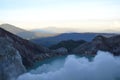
104 66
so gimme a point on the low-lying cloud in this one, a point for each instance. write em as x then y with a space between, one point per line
104 66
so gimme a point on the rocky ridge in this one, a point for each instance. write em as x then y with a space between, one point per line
111 44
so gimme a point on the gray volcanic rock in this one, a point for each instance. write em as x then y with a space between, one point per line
61 50
111 44
10 61
28 50
114 44
68 44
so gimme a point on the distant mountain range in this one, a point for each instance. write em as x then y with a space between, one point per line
72 30
117 31
54 30
47 38
49 41
24 33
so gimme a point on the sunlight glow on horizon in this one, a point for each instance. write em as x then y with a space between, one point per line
88 15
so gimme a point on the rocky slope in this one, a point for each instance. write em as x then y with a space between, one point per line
18 31
111 44
68 44
28 51
10 61
25 33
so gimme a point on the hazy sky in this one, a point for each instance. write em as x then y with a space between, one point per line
81 15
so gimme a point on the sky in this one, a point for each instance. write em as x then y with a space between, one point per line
79 15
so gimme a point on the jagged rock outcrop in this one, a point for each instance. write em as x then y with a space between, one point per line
68 44
28 50
111 44
10 61
61 50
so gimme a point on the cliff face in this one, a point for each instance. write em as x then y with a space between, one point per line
111 44
28 51
16 54
10 61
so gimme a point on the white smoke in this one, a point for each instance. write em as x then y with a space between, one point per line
104 66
